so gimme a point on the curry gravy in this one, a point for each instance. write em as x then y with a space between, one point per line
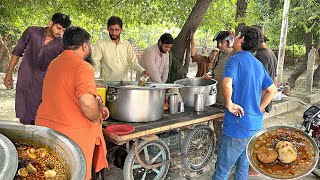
277 169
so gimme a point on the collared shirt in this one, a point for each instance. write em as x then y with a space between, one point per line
36 58
115 59
156 63
68 78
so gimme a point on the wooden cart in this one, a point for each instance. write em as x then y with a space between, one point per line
150 147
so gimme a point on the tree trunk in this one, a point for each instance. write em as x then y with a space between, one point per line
303 67
4 55
180 62
241 13
316 75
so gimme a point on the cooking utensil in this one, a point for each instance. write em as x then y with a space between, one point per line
173 103
8 158
120 129
67 149
198 85
133 103
198 102
250 152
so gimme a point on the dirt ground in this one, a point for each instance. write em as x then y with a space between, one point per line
293 118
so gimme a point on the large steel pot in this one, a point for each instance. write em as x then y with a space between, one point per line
67 149
8 158
295 132
198 85
129 102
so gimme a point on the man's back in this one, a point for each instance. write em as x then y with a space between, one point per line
248 79
269 60
68 77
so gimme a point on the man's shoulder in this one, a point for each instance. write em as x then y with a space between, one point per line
35 29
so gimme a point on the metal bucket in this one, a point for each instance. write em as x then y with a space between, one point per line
70 153
198 85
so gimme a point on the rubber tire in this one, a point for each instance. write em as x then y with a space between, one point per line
185 146
127 169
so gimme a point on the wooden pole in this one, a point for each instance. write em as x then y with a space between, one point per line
310 69
283 38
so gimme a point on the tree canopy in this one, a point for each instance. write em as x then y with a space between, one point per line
146 20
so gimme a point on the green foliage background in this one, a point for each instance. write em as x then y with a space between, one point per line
146 20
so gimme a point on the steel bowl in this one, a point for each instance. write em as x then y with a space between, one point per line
8 158
249 153
69 152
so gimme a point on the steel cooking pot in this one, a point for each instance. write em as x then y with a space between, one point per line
198 85
8 158
129 102
67 149
292 133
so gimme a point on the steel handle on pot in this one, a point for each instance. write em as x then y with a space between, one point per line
213 91
111 97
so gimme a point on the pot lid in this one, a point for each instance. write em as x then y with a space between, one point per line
8 158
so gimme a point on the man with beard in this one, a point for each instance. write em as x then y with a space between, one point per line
38 46
155 59
115 55
205 63
70 103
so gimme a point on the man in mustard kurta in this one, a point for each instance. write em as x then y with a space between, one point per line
115 55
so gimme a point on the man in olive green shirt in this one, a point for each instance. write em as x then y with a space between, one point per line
115 55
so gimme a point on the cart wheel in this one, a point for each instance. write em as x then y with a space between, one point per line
152 152
201 137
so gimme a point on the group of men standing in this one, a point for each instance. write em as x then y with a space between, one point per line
56 84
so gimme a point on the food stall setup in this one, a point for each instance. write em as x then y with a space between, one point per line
153 136
36 152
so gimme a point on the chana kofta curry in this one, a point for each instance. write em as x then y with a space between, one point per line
283 153
39 163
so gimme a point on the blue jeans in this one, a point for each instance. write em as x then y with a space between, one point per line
231 151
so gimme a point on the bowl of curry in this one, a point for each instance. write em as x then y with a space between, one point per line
44 153
282 152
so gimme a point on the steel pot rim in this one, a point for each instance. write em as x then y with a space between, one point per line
259 133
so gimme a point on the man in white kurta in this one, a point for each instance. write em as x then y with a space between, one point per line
155 59
115 55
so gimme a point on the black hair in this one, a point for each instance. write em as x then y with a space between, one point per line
264 38
113 20
166 38
221 35
62 19
252 38
74 37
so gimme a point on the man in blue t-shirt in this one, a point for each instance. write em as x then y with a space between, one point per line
244 79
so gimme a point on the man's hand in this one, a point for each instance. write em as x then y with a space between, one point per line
104 112
235 109
8 82
145 73
207 76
